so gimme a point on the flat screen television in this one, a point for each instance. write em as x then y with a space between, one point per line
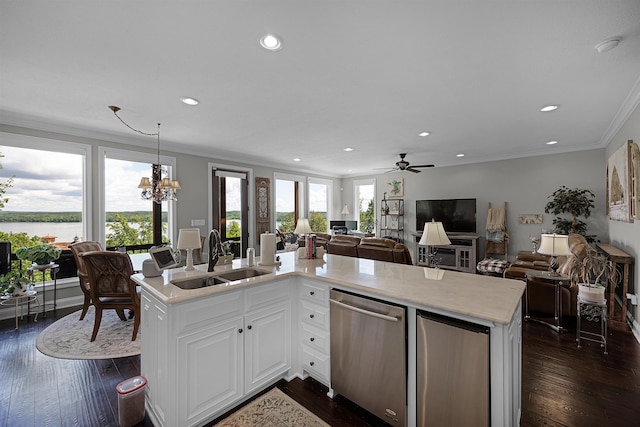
456 215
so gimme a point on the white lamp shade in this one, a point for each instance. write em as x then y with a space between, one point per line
345 210
189 238
554 245
303 226
434 235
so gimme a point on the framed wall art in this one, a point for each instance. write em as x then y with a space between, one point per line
530 219
619 180
395 188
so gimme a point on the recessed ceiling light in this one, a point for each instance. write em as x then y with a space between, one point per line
608 44
297 159
460 155
270 42
189 101
348 149
552 142
424 133
549 108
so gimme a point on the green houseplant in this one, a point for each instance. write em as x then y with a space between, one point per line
591 273
13 284
577 203
39 254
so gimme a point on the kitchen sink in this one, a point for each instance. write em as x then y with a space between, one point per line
198 282
242 273
218 279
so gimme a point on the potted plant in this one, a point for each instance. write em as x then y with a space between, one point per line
39 254
226 257
591 273
577 203
12 284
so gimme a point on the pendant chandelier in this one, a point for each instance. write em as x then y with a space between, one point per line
156 188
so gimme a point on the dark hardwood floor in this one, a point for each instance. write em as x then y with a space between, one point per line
562 385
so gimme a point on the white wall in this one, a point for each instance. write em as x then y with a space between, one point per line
524 184
626 235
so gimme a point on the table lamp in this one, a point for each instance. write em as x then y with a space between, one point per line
554 245
433 235
303 227
189 239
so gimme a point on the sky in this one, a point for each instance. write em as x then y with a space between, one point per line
47 181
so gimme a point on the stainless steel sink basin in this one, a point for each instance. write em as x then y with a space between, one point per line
218 279
242 273
198 282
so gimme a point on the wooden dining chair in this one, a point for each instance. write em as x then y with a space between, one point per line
77 249
111 286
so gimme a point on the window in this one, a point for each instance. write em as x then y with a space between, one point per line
320 200
48 197
364 192
127 218
289 201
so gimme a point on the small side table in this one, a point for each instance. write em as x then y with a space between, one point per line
19 300
592 311
54 268
557 280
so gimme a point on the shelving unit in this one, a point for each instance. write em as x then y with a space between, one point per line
392 219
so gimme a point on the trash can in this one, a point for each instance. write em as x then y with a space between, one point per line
131 401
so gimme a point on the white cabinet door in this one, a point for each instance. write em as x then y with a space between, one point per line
210 370
267 345
153 326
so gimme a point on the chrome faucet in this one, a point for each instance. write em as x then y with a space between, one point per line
215 248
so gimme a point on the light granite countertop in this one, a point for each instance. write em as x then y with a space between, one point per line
483 297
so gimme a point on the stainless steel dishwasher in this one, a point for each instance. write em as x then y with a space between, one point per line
453 372
368 355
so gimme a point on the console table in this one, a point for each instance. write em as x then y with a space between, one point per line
621 262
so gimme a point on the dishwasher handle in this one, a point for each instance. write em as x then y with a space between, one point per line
366 312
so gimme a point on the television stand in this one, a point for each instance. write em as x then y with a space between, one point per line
460 255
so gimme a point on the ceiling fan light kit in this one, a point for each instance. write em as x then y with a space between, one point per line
403 165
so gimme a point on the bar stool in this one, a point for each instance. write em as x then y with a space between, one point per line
592 310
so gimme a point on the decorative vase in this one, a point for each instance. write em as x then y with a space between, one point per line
593 293
17 291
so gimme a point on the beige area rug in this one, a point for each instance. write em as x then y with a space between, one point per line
68 338
272 409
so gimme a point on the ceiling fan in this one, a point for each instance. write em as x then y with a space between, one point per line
403 165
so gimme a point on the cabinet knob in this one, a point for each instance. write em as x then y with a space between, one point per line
249 327
312 316
312 339
311 363
312 293
240 330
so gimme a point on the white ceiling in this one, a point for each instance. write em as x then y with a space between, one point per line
367 74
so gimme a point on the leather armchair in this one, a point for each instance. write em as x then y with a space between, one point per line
542 293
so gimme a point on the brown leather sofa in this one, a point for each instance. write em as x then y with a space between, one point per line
381 249
343 244
526 261
542 292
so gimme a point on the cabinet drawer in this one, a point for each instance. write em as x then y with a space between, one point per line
317 315
314 292
314 337
260 296
315 362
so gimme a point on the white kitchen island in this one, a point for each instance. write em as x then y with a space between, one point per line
206 350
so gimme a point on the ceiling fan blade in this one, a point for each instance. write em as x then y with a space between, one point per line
411 169
422 166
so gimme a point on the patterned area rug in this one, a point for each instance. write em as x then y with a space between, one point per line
272 409
68 338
